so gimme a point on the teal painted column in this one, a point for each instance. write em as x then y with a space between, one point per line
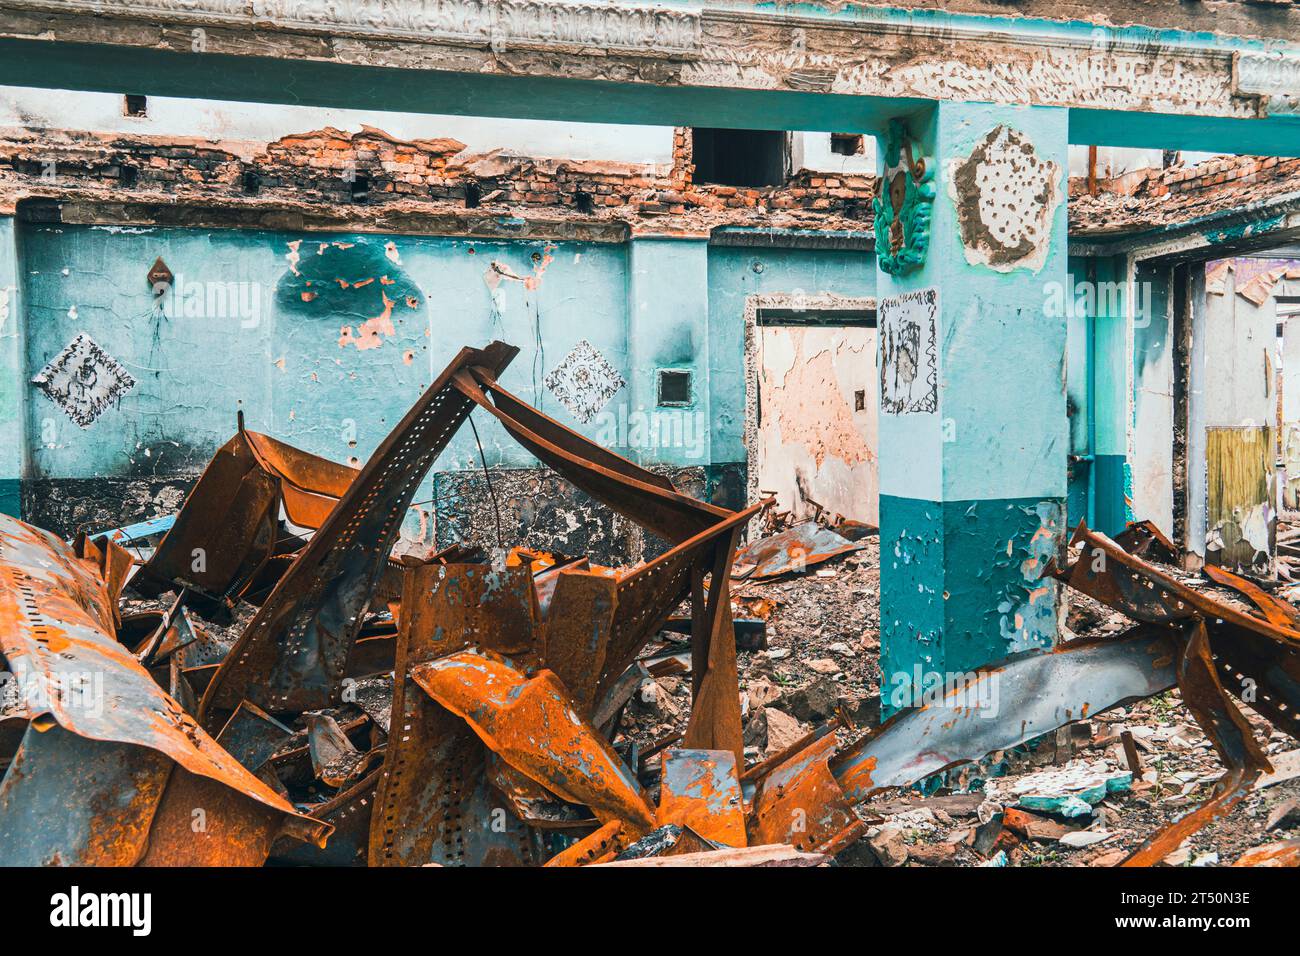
13 441
668 330
973 427
1110 505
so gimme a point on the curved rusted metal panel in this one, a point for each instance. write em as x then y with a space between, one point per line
533 725
56 635
293 655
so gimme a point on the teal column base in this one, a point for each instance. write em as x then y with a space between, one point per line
11 497
961 586
1110 509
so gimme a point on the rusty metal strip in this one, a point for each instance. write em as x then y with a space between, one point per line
791 551
1134 587
578 633
1231 736
224 532
293 656
348 813
1275 611
533 725
72 801
648 595
715 722
618 483
601 844
434 802
1036 693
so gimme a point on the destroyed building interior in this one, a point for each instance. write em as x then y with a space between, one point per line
575 434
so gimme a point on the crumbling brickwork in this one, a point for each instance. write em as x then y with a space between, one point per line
1149 198
370 169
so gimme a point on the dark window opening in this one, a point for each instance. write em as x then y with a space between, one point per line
129 176
848 144
135 105
252 183
792 315
586 205
674 387
473 194
360 188
859 400
741 157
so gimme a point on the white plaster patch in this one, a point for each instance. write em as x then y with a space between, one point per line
909 370
83 380
1006 198
5 293
584 381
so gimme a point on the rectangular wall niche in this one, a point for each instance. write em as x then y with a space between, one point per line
674 387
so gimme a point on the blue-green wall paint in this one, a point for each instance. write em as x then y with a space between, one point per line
973 495
12 443
735 274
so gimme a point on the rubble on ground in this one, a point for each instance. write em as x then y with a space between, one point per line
269 678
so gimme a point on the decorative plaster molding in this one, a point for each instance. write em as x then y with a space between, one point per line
645 30
1274 75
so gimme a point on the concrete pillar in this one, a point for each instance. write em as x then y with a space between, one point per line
12 379
668 329
973 427
1110 477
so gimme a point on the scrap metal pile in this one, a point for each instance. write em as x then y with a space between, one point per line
460 707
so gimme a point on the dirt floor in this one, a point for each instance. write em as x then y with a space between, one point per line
822 659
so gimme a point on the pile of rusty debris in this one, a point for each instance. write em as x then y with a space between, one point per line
311 696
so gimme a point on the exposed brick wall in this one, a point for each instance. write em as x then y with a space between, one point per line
318 170
328 167
1159 197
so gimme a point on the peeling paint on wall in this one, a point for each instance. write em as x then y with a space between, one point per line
1006 198
818 428
353 280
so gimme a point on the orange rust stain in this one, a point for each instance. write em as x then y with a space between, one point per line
308 296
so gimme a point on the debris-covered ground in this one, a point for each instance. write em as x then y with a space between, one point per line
822 659
269 676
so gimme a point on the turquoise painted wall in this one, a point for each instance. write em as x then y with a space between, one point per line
735 274
326 340
1097 386
297 355
12 444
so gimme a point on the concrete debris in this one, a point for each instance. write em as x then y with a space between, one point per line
556 712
